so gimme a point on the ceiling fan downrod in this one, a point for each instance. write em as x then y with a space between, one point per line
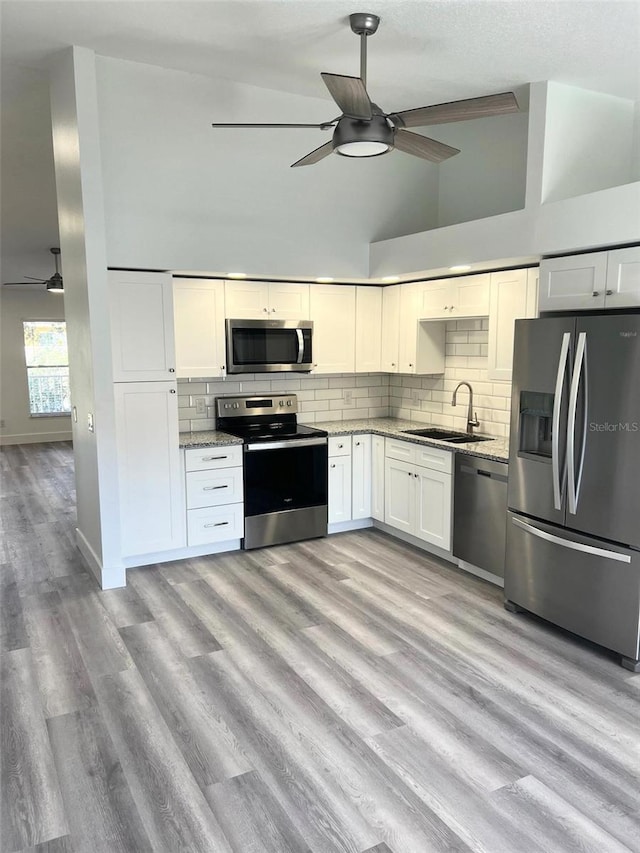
363 24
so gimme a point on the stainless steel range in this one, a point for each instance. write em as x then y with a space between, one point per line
285 469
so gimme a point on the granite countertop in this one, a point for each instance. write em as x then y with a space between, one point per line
495 448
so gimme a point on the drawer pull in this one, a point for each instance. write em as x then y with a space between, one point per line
217 524
213 488
213 458
333 465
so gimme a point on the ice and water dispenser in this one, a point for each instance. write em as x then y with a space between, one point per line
536 413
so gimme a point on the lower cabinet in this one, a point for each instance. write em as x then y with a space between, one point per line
417 491
349 478
214 494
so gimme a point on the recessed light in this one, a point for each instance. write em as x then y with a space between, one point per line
460 268
390 278
324 279
237 274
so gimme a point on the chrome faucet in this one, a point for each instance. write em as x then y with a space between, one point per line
472 417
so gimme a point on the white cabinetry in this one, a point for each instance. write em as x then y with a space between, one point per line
214 495
368 329
576 282
377 477
390 329
421 347
257 300
361 477
339 479
623 278
142 337
418 488
450 298
198 305
514 295
151 493
333 311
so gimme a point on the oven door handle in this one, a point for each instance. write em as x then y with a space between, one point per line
280 445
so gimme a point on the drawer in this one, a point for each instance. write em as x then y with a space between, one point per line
403 451
213 488
434 458
215 524
202 458
340 445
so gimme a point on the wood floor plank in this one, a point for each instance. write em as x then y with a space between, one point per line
97 798
32 807
252 818
203 737
13 634
125 607
173 809
57 845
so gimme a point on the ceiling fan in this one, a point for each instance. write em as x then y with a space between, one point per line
363 130
53 284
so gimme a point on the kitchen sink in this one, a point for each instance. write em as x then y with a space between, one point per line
449 436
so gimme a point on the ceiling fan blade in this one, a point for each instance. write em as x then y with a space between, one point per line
422 146
315 155
488 105
350 95
324 126
32 278
14 283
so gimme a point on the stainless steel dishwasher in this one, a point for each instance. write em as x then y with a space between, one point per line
480 512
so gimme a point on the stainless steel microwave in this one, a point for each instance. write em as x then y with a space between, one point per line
269 346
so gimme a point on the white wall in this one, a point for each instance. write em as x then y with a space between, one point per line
588 142
182 195
17 305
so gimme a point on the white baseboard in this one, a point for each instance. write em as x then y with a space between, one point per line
36 437
343 526
418 543
181 554
108 578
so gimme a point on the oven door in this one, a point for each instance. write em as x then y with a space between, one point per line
285 496
269 346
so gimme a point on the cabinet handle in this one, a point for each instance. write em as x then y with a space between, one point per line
172 390
410 364
609 292
273 310
217 524
452 308
266 310
416 476
212 458
213 488
393 364
409 473
333 465
172 370
357 444
596 293
446 307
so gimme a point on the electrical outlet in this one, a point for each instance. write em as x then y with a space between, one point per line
348 396
90 423
415 398
2 423
201 406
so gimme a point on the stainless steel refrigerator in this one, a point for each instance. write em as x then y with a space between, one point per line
573 525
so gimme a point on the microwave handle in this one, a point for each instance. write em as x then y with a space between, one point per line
300 346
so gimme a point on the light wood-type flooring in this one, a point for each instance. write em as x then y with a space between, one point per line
347 694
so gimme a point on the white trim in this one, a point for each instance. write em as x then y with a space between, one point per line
181 553
110 578
413 540
481 573
343 526
36 437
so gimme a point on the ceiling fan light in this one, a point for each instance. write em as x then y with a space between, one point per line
55 287
362 149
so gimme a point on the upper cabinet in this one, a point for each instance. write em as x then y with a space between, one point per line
453 298
198 305
513 296
421 344
142 334
593 280
368 329
333 311
390 329
257 300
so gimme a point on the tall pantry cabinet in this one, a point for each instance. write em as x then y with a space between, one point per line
146 413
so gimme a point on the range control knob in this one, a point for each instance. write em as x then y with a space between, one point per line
236 405
289 403
281 403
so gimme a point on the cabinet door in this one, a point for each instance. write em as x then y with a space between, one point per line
435 299
368 329
409 299
339 489
361 477
623 278
433 507
198 307
390 328
399 495
152 510
246 300
509 302
377 477
470 296
289 301
333 311
577 282
142 337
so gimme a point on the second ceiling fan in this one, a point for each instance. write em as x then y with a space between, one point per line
364 130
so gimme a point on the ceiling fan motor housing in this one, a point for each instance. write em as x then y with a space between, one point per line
353 132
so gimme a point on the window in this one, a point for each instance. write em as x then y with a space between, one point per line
45 349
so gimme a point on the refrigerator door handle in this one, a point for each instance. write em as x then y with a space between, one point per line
555 428
580 366
567 543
